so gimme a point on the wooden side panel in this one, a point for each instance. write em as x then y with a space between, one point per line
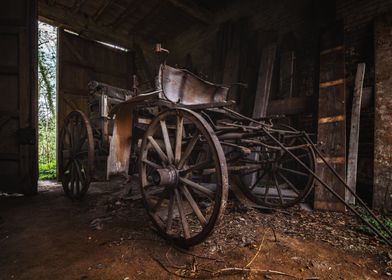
18 91
331 135
81 61
382 191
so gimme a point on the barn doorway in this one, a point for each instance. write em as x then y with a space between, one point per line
47 105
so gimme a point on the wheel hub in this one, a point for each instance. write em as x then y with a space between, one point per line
165 176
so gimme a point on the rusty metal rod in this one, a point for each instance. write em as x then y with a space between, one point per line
363 204
375 230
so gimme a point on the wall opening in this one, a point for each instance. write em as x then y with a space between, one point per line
47 65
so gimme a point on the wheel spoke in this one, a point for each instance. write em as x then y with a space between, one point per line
81 142
180 122
157 148
278 189
72 181
188 150
293 171
70 137
291 185
184 222
258 180
166 139
159 202
152 164
266 192
197 166
292 159
78 169
193 204
198 187
251 171
169 219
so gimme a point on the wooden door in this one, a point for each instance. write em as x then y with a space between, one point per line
81 61
18 91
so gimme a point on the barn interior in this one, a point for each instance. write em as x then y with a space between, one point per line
319 66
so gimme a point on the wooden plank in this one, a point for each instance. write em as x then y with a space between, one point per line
264 81
231 71
331 134
18 56
286 74
382 189
352 161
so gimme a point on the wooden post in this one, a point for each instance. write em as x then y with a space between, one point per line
264 81
382 190
354 133
331 134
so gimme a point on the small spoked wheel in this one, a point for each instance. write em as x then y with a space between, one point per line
76 154
183 176
277 179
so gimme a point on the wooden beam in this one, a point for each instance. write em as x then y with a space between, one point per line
354 134
129 9
264 81
78 5
64 17
102 9
194 10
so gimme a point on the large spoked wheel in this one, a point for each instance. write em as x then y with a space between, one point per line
76 156
276 179
183 176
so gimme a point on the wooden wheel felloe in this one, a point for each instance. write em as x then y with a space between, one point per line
76 155
183 176
277 179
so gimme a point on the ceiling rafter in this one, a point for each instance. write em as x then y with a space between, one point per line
102 9
194 10
64 17
130 8
78 5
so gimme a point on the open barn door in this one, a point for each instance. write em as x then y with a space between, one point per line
81 61
18 92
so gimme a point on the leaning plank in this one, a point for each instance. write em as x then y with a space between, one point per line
264 81
354 133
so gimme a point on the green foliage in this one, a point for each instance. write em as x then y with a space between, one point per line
373 222
47 41
47 171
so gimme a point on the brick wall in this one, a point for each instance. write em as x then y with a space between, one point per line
358 17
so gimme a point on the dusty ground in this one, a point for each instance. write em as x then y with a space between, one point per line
109 237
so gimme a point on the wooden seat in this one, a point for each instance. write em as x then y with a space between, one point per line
183 87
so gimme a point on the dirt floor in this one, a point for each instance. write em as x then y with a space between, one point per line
109 236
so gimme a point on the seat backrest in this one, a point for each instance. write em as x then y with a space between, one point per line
183 87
